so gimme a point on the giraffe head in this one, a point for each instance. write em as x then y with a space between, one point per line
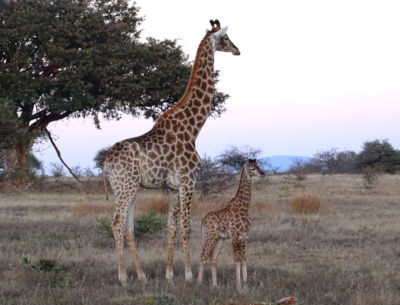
221 39
253 170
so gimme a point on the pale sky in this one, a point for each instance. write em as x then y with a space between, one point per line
312 75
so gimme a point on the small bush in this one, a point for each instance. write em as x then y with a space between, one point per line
305 204
57 170
103 227
370 177
57 272
146 226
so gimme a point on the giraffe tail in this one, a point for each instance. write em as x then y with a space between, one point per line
105 180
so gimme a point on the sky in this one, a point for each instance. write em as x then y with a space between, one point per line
312 75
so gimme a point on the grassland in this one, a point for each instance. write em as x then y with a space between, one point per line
51 251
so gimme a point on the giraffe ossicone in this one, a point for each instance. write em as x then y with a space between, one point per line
165 157
232 221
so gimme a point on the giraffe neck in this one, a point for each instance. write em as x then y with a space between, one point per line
193 108
243 194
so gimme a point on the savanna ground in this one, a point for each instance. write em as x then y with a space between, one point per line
52 251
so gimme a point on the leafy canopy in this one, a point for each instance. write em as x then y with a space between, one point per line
79 58
378 155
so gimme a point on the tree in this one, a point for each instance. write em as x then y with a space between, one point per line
299 168
80 58
33 165
378 155
333 161
100 156
234 158
212 177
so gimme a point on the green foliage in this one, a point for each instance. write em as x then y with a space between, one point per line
57 272
83 58
100 157
146 226
34 164
10 131
378 155
103 227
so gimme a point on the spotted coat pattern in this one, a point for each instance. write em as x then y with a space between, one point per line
232 221
165 157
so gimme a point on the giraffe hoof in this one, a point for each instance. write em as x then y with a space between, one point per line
124 283
189 276
142 278
169 275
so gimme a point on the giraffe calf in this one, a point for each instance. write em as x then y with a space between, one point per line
232 221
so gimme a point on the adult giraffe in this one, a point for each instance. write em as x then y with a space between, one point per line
166 157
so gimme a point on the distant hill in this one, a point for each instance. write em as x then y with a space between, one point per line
283 163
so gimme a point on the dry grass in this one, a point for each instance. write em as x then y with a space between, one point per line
346 254
85 208
158 203
305 204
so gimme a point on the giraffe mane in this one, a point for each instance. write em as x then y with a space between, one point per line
193 75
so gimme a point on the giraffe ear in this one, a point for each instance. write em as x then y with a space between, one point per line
221 32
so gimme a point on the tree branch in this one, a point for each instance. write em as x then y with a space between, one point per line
42 123
61 159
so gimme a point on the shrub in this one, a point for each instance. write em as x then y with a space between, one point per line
57 272
57 170
298 169
305 204
379 155
146 226
100 157
370 177
103 227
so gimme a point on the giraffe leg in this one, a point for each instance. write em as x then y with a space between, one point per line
185 197
244 275
236 244
208 247
130 239
118 228
201 271
172 224
214 259
243 262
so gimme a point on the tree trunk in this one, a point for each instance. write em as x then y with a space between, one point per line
15 162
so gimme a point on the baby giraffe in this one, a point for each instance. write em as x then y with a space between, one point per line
232 221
